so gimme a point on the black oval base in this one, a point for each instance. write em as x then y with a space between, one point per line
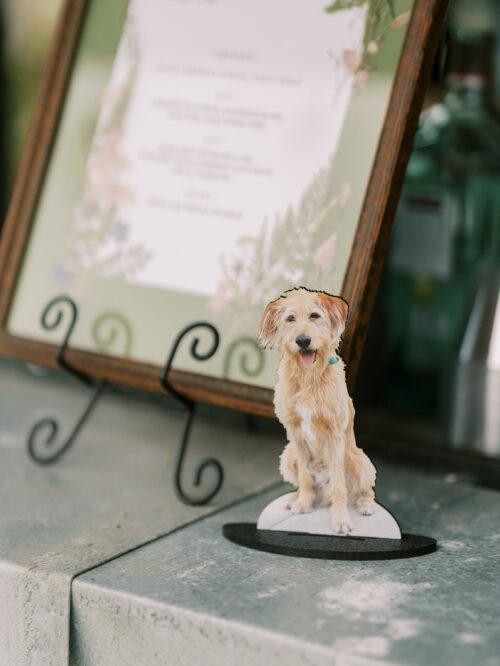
326 547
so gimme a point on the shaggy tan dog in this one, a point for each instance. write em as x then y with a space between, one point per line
312 402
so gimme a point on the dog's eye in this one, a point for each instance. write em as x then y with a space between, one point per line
290 318
314 315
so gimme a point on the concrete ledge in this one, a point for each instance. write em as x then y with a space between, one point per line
193 597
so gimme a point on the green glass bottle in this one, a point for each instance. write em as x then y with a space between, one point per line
445 224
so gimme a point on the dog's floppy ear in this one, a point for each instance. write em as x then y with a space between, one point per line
269 322
337 310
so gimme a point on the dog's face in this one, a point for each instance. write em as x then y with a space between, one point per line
304 324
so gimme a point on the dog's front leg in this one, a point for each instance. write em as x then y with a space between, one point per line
341 521
303 501
288 464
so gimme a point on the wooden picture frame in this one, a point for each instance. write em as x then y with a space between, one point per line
367 255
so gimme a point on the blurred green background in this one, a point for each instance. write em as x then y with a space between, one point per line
26 30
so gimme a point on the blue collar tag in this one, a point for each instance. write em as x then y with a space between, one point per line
333 359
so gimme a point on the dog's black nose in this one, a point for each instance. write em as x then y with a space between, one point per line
303 341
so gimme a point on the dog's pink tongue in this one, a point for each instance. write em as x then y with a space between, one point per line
307 357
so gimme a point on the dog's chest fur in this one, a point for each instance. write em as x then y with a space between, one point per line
316 410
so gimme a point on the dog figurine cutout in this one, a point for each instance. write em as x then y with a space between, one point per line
312 402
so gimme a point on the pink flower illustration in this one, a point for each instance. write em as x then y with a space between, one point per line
362 78
373 47
352 60
326 251
219 300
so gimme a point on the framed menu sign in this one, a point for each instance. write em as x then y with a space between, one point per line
192 159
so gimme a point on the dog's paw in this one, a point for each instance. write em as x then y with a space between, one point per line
342 524
301 504
365 506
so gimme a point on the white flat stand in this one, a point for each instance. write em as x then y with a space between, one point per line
381 524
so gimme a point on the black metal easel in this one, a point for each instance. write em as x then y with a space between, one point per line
51 319
190 412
